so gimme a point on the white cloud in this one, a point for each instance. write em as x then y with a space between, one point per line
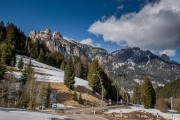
120 7
67 38
155 27
98 45
170 53
89 41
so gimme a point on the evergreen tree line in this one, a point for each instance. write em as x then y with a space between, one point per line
170 89
12 41
97 78
144 94
100 82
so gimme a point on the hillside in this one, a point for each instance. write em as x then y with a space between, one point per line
170 89
45 73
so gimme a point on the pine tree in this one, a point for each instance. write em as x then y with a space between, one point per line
3 58
93 76
63 65
148 95
26 73
2 70
21 63
2 67
11 38
99 80
136 94
84 67
2 31
41 57
69 75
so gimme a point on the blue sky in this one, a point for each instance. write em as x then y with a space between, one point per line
88 20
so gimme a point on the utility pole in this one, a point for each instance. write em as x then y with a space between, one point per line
171 99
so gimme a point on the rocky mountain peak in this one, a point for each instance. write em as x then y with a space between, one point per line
165 57
56 43
47 31
44 35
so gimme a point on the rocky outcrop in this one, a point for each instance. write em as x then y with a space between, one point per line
55 42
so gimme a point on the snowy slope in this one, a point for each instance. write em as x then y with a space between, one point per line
153 111
50 74
18 114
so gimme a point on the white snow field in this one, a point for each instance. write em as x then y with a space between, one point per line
18 114
50 74
172 116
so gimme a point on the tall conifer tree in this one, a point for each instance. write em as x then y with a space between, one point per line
148 95
69 76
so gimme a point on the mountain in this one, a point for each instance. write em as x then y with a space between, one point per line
55 42
165 57
127 65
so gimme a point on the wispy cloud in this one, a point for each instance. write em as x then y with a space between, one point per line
155 27
120 7
89 41
170 53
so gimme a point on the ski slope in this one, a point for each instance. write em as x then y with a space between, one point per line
172 116
48 73
20 114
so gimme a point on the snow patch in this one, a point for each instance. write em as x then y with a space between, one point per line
153 111
50 74
20 114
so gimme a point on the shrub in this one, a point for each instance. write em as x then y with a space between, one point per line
162 105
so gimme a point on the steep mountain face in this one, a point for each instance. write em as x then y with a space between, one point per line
135 64
165 57
126 65
55 42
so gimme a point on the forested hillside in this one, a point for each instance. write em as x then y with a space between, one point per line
171 89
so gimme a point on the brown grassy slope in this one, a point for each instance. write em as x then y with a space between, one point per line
64 95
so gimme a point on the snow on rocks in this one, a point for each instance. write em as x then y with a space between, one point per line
173 116
48 73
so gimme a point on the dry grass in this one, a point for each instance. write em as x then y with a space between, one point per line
64 95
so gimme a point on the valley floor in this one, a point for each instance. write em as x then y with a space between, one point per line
104 113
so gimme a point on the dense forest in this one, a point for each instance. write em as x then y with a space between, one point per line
171 89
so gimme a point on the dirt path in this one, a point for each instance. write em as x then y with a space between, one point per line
85 117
